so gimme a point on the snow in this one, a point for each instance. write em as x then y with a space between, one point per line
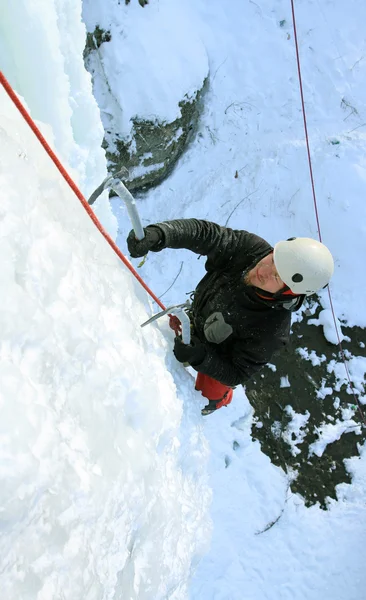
330 432
326 319
356 367
284 382
112 484
311 356
57 90
295 431
324 390
97 446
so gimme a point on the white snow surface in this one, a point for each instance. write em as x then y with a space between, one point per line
330 432
112 484
101 492
311 356
325 318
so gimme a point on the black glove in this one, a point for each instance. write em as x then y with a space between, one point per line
192 353
153 237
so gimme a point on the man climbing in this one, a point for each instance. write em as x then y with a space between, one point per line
241 310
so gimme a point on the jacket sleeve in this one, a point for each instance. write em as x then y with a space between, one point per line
246 358
222 246
230 372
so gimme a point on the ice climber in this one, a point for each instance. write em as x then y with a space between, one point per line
241 309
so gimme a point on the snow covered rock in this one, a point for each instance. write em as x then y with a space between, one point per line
148 119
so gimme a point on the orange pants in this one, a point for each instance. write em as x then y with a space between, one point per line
214 390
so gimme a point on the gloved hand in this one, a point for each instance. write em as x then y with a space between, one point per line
138 248
192 353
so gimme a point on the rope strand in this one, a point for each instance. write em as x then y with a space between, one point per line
357 402
9 90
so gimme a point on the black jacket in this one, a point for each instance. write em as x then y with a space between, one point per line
240 331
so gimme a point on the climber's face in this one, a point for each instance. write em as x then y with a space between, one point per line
264 276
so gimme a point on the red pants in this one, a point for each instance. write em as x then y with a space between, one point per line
214 390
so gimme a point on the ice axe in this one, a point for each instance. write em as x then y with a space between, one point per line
114 183
179 310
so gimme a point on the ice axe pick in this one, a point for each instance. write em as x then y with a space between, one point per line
114 183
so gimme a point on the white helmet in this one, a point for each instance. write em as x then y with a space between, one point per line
304 265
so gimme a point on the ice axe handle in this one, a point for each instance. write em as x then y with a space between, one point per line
186 327
121 190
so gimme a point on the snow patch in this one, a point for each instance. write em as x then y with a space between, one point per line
311 356
326 320
295 431
284 382
330 432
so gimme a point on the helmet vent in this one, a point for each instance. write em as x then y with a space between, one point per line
297 278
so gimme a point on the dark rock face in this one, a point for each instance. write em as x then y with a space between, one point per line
141 2
155 146
95 40
314 404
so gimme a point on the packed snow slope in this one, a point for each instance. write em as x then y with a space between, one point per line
104 491
101 494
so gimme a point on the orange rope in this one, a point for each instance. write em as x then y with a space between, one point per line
9 90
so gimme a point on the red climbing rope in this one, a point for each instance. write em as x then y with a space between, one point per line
9 90
357 402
